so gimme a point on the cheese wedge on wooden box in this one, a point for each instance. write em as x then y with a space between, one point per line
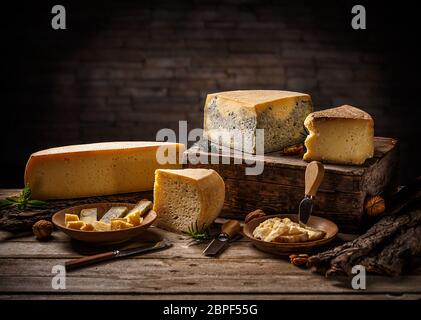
280 113
343 135
188 197
97 169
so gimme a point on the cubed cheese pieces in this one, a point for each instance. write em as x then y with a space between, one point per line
113 213
134 218
343 135
185 197
75 224
98 169
70 217
87 227
88 215
239 113
118 224
101 226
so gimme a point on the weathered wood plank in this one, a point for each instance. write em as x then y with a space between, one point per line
290 177
280 187
267 195
186 275
70 250
219 296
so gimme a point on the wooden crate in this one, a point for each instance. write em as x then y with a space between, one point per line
280 187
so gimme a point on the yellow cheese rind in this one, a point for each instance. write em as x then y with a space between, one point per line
96 169
241 113
343 135
185 197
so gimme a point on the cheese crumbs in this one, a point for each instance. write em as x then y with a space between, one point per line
285 230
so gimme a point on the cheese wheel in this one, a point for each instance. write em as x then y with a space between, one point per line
187 198
233 117
97 169
343 135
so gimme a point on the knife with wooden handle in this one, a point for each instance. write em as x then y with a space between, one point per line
228 231
313 178
82 262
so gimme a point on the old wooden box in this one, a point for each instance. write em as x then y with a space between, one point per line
280 187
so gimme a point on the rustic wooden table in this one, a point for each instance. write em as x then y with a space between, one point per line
180 272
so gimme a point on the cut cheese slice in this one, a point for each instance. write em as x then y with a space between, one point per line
89 215
186 198
113 213
343 135
238 114
98 169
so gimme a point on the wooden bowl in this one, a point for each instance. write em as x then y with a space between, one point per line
102 237
325 225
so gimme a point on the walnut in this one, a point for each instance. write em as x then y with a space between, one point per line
42 229
254 214
375 206
293 150
299 259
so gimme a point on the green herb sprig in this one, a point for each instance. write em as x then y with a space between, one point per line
23 201
200 234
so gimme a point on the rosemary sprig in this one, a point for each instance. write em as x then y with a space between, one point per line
22 201
200 234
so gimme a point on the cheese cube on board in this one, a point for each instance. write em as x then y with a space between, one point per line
280 113
185 197
96 169
342 135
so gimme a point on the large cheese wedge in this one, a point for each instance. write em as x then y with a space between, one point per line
98 169
343 135
188 197
238 114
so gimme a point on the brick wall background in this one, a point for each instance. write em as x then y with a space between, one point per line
122 71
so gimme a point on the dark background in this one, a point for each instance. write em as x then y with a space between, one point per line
123 70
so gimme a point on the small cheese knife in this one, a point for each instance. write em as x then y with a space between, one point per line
77 263
313 178
228 231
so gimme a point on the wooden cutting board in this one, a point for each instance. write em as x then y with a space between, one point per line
280 187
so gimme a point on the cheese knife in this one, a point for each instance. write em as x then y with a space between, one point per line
313 178
228 231
110 255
